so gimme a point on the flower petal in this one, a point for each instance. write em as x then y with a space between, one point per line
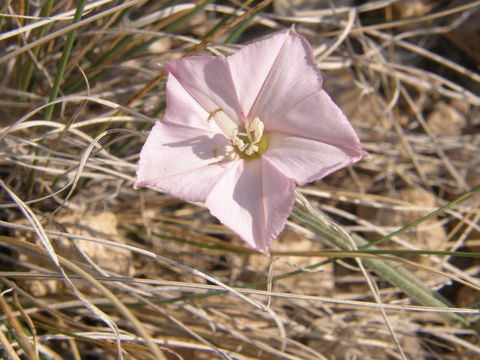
207 79
292 77
183 110
181 161
305 160
278 200
260 201
251 65
317 117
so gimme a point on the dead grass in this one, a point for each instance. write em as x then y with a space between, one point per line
93 269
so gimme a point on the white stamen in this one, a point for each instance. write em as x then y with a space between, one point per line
257 127
239 143
253 131
251 150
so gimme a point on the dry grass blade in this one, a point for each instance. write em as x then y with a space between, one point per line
114 300
17 328
95 269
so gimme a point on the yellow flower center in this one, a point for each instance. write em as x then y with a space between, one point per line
252 143
248 144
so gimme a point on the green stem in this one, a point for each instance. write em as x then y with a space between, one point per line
37 52
239 29
395 274
64 60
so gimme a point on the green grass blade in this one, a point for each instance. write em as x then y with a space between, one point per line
28 73
240 29
64 60
395 274
433 214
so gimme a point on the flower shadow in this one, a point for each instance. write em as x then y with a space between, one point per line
203 146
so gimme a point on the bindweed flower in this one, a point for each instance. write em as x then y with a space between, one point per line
239 132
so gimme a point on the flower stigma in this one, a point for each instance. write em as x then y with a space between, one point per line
248 144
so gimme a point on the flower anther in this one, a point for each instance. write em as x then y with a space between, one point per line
248 144
252 143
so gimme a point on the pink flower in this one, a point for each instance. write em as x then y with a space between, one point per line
240 131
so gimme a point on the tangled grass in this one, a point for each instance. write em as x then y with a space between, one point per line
93 269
